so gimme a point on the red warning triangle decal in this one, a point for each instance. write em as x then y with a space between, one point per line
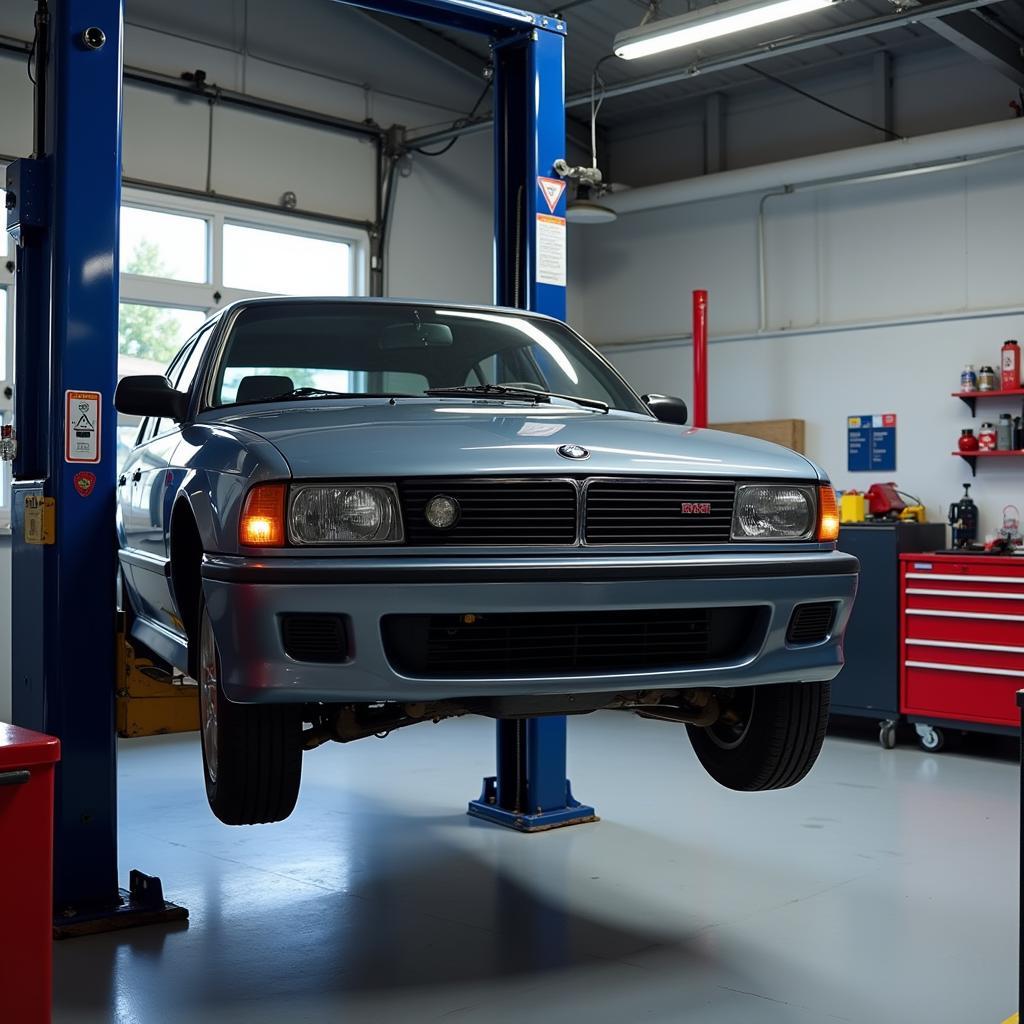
552 188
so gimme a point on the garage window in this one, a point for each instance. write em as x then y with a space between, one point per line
183 259
155 243
284 262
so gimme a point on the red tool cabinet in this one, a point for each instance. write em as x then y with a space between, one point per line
27 761
962 640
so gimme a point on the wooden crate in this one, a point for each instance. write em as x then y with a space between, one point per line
788 433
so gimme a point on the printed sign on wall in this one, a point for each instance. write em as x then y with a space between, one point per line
871 443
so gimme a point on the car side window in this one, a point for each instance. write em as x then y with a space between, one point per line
194 358
174 373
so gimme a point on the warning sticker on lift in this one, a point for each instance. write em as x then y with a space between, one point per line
552 189
550 250
82 426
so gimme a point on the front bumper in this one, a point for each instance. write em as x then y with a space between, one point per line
247 596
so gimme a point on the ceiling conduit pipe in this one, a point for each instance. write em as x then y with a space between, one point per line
900 155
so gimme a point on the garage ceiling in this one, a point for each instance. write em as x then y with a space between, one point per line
593 25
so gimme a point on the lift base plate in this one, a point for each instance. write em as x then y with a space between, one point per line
139 905
487 809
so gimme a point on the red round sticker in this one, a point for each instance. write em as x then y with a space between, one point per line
84 483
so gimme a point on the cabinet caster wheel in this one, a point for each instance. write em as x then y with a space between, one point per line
930 738
887 735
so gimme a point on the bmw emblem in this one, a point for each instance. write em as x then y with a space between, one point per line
573 451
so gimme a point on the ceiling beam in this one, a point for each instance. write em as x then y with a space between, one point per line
437 45
977 36
765 51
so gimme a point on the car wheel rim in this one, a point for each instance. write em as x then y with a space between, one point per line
208 694
731 729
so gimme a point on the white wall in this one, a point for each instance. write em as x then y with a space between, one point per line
939 246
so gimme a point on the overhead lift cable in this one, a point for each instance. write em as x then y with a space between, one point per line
824 103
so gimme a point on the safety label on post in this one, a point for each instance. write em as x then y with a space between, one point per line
551 189
82 426
550 249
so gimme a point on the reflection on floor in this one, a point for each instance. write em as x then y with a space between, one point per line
882 889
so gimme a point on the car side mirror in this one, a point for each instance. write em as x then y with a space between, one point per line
667 408
150 395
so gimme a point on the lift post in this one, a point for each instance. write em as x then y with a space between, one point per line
63 211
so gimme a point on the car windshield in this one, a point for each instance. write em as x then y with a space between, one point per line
302 350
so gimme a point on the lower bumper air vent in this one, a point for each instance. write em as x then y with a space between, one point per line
321 638
811 623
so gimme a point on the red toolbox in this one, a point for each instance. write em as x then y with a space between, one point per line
27 761
962 639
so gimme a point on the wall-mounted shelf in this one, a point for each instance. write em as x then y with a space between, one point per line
969 398
971 458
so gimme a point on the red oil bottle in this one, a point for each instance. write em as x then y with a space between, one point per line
1010 362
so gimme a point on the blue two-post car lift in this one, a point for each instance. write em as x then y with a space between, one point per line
63 210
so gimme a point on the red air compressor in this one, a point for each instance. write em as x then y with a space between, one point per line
884 501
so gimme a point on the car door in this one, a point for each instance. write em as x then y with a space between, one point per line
151 484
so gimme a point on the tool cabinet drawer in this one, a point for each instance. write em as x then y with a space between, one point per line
950 569
963 626
933 689
989 602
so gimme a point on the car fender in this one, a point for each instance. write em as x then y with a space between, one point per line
220 464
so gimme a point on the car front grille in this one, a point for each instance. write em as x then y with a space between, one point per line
599 510
493 512
659 511
564 643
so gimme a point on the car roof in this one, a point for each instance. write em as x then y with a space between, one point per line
365 300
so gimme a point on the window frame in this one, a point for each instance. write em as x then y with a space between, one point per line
213 295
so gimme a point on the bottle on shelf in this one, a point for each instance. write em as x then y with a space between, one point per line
987 439
1010 365
968 378
987 380
968 442
1004 433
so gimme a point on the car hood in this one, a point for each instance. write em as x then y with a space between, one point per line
374 438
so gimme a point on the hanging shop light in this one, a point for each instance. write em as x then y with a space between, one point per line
709 22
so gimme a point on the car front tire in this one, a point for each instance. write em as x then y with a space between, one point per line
768 737
252 753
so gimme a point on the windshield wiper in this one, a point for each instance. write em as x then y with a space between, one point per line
504 391
323 393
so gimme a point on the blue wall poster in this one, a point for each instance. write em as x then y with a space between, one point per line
871 443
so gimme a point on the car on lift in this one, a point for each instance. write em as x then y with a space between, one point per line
342 517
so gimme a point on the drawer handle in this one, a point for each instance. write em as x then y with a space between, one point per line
965 615
15 778
977 670
959 645
995 595
961 577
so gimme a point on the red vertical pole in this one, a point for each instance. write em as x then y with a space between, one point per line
700 358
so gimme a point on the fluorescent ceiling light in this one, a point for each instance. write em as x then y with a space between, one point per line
708 23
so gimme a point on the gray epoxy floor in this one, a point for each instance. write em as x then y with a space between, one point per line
882 889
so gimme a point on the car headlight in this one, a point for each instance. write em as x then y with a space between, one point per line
344 514
773 512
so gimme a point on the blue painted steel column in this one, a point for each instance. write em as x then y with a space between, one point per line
64 641
530 791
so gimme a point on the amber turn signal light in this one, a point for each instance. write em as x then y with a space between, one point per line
828 514
262 522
